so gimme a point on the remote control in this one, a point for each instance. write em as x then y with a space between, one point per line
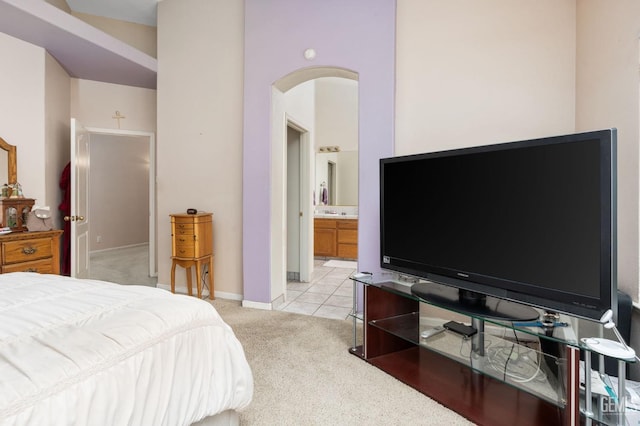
362 274
432 332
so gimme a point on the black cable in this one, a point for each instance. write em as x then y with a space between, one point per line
506 363
203 279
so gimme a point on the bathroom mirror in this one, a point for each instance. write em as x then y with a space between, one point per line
8 162
337 173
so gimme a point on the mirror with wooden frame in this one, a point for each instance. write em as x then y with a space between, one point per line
13 211
8 162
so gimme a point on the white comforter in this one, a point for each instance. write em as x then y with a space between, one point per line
82 352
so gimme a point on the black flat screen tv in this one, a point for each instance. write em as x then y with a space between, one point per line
531 221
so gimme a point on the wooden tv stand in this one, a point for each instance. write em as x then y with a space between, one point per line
391 341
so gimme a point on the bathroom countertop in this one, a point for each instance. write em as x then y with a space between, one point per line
335 216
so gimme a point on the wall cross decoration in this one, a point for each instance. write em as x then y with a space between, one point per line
118 116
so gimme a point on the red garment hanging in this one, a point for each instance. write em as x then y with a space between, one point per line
65 209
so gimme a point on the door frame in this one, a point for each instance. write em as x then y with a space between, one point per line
306 203
153 266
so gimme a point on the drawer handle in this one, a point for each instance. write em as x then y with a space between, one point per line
29 250
31 270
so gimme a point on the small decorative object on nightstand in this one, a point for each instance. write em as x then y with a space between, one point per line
192 245
14 212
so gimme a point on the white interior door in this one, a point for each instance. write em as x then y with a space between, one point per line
293 210
299 201
307 177
79 200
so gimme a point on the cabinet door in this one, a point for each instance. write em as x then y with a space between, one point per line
348 239
348 251
324 243
347 236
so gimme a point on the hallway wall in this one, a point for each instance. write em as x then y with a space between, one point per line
119 191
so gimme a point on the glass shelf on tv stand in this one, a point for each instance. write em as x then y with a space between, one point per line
503 333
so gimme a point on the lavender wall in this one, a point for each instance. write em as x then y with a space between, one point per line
358 35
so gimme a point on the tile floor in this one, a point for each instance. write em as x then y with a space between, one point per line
328 295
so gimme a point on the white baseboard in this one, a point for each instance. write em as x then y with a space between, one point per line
118 248
257 305
217 294
277 302
228 296
167 287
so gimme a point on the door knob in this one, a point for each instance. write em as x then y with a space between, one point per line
73 218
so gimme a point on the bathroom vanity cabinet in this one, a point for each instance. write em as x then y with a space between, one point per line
336 238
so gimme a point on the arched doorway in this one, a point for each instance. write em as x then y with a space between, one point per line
287 114
359 39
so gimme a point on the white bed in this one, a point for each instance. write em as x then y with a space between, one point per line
83 352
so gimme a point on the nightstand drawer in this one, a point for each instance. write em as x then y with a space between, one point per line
44 266
184 250
183 229
23 251
184 239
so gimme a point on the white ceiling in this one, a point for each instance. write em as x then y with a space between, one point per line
139 11
83 51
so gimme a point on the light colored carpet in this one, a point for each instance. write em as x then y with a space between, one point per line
128 265
349 264
304 375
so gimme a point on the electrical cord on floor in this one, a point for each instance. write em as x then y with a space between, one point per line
203 280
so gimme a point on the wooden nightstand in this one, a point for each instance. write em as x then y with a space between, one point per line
192 245
37 251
